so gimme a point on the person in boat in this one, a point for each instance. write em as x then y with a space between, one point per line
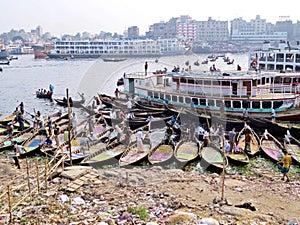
248 141
127 133
130 116
129 105
245 114
22 108
168 133
237 148
38 123
146 67
16 112
273 115
49 122
20 119
227 147
74 122
176 132
122 115
118 131
48 141
10 130
51 88
56 132
117 93
231 138
139 140
112 114
206 139
239 68
286 164
200 132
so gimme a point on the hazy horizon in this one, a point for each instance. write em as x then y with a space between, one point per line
70 17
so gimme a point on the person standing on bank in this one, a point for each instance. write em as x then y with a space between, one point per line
17 151
286 162
146 67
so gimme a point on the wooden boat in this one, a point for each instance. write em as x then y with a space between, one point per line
32 145
7 119
292 146
21 137
212 158
187 151
105 155
254 145
161 154
74 103
271 146
113 59
132 156
44 95
238 158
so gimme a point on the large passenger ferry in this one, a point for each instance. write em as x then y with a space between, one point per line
215 92
283 58
104 48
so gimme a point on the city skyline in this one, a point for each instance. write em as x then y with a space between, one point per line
70 17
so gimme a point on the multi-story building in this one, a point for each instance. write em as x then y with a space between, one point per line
212 31
133 32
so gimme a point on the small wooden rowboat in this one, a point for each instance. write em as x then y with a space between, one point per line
238 158
161 154
255 143
271 146
187 151
213 158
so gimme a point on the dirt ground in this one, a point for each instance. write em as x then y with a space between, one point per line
274 201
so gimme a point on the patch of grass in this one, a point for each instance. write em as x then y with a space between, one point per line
140 211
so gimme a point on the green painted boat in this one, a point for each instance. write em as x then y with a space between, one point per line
213 158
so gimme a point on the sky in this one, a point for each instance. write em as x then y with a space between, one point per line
72 16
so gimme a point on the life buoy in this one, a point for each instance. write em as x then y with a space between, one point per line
254 63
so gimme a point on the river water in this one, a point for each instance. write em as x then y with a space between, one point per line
20 79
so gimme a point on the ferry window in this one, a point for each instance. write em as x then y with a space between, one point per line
225 83
207 82
182 80
236 104
168 97
254 82
202 101
255 105
211 102
266 105
174 98
216 83
180 99
187 100
162 96
228 104
267 80
195 100
219 103
277 104
258 82
287 80
263 80
150 94
156 95
277 80
190 81
198 82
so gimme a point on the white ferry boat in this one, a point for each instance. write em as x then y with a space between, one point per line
215 92
283 58
104 48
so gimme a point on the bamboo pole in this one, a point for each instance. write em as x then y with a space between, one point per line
37 176
28 178
223 180
69 126
46 172
9 203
